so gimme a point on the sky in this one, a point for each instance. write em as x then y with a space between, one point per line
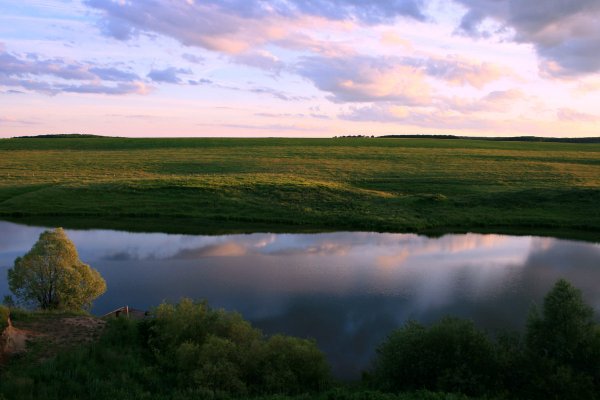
300 68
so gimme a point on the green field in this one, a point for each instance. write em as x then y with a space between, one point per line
242 185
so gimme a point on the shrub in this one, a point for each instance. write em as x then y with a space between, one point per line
451 355
219 352
292 365
114 367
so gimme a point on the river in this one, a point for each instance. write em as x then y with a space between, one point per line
347 290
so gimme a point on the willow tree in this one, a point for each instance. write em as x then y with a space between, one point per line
52 276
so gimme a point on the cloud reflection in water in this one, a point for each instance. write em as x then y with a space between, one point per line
347 290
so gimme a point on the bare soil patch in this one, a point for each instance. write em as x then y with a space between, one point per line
49 333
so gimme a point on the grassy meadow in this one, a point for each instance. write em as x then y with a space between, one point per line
191 351
240 185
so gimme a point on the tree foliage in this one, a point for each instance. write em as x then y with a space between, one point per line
563 347
220 352
565 329
188 351
52 276
558 357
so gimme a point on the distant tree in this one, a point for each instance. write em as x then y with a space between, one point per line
52 276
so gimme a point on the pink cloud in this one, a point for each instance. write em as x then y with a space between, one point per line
58 75
568 114
500 101
392 39
366 79
460 71
212 25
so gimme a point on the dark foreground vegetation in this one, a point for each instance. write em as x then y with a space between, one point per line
190 351
557 358
294 185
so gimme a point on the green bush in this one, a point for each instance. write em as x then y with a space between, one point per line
558 357
188 350
292 365
114 367
4 314
220 352
450 356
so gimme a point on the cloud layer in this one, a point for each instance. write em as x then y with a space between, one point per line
56 75
406 80
566 34
233 26
322 66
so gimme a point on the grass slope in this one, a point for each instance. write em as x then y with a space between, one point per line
233 185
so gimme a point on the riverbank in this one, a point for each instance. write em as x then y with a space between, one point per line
220 186
188 350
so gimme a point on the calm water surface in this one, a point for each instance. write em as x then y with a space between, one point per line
346 290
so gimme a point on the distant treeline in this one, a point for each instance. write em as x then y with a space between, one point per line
353 136
446 137
61 136
501 139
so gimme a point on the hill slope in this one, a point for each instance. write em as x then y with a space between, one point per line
233 185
